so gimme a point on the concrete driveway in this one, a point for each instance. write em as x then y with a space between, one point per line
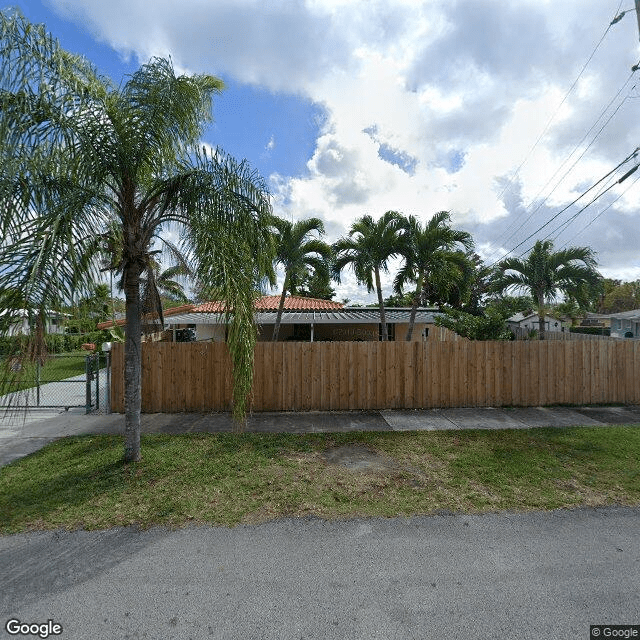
527 576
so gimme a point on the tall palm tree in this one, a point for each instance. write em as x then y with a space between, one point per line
79 153
298 249
367 249
432 258
544 273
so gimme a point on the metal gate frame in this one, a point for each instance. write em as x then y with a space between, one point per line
19 399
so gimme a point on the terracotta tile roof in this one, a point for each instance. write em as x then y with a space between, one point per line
296 303
185 308
265 303
209 307
271 303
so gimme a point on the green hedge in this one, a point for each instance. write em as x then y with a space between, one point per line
594 331
56 342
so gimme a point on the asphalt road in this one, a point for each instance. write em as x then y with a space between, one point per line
535 575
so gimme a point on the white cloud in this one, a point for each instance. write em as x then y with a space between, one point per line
430 104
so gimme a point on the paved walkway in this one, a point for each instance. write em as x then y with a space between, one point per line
71 392
21 434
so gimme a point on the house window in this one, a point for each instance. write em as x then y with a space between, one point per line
301 332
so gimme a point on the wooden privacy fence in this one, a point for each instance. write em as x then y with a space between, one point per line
303 376
524 334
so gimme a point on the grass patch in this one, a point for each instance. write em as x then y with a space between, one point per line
56 367
227 479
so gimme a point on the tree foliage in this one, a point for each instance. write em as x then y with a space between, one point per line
545 273
81 157
488 326
618 296
300 251
434 261
367 249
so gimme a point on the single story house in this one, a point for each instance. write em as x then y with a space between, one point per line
19 321
625 324
303 319
521 323
308 320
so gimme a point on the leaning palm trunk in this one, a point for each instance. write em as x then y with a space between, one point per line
276 328
383 318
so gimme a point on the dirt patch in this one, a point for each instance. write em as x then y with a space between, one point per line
360 458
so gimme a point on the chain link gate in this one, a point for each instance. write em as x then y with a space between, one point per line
51 385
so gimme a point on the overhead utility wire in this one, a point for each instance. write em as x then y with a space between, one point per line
563 225
584 193
600 193
540 204
567 222
571 88
602 212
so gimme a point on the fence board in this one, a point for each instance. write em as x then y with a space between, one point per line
377 375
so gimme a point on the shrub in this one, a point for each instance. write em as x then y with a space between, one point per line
594 331
487 327
54 342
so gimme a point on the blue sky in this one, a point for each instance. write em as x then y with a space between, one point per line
484 108
275 131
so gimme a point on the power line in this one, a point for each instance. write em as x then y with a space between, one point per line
540 204
584 193
617 18
558 230
598 196
601 213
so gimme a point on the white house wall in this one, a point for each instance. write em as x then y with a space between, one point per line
210 332
621 326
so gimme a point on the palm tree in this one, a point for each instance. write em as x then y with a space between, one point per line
79 154
109 250
297 251
368 248
544 273
432 259
168 282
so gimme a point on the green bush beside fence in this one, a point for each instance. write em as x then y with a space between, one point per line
595 331
55 342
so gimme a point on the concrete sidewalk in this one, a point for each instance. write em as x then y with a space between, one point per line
22 434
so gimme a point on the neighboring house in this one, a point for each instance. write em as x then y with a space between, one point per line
596 320
303 319
19 321
521 323
625 324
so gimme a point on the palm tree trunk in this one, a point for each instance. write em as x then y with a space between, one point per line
414 308
132 365
276 327
383 319
541 314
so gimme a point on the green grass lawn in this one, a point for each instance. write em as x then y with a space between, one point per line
57 367
226 479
